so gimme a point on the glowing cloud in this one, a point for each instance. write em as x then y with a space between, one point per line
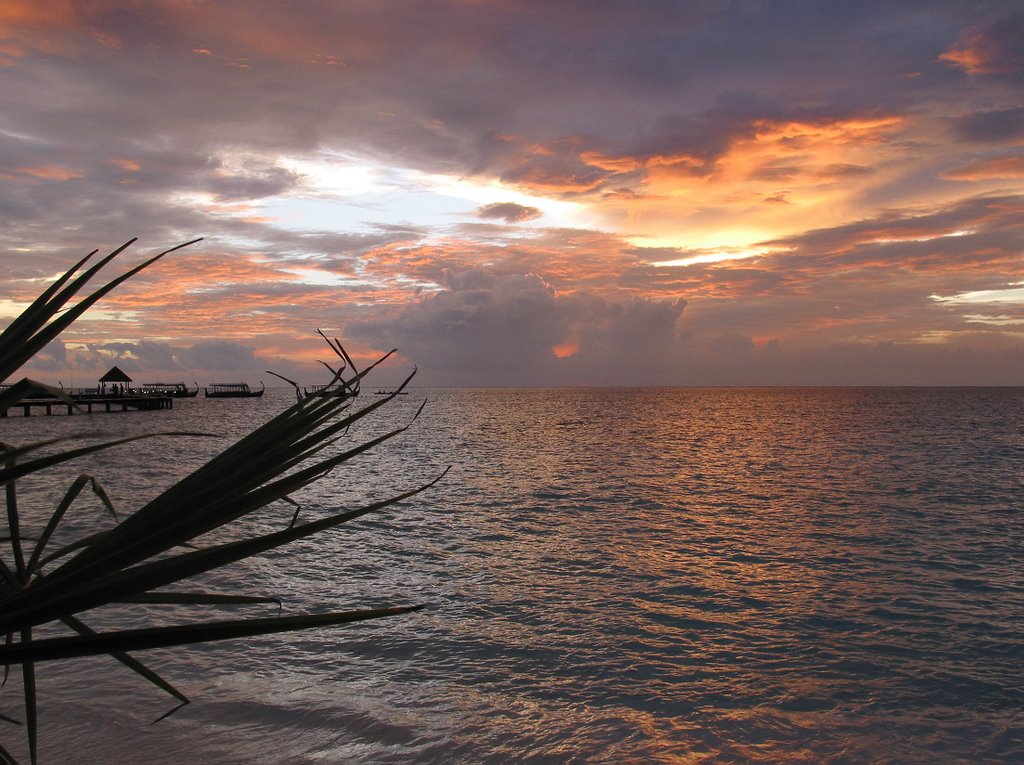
562 192
1010 166
1010 295
50 173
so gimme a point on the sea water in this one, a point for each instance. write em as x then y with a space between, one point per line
827 575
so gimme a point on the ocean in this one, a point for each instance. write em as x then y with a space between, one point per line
627 575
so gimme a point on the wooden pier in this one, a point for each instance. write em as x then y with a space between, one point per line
90 404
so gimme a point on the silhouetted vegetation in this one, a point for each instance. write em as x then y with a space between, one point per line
150 556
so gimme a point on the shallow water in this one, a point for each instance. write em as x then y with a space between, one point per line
612 575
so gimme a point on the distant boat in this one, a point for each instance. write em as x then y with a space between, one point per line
391 393
233 390
175 390
337 390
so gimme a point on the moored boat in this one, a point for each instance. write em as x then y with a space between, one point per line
175 390
232 390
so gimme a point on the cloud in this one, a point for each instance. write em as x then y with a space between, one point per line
218 355
1008 166
52 359
510 212
505 325
487 330
993 49
968 362
991 125
831 166
558 168
252 181
517 330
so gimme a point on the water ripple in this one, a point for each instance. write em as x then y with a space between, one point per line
653 575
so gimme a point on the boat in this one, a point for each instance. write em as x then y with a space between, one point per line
174 390
339 390
232 390
391 393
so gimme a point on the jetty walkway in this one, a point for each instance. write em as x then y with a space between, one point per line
89 404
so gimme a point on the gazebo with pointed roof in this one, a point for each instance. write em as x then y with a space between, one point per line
115 375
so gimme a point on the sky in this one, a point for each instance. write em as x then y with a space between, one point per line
521 193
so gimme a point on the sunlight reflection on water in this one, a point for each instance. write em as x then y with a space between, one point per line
645 575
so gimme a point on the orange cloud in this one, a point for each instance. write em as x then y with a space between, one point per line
566 350
817 168
571 345
127 164
48 26
29 25
972 61
1011 166
274 32
50 173
975 55
993 49
17 15
857 130
326 61
253 297
621 164
568 260
238 62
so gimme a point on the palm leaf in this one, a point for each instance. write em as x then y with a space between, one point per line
132 562
37 313
199 599
129 661
28 679
223 490
26 387
58 514
51 649
12 473
51 597
13 521
24 339
5 756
